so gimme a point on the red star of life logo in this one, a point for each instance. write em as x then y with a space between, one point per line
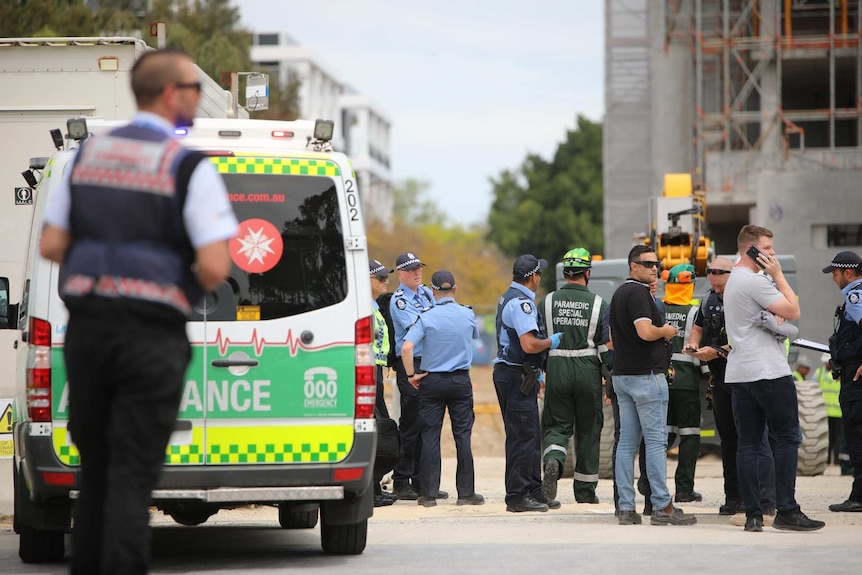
257 247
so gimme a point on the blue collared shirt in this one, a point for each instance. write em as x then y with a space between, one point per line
447 329
404 307
853 301
519 315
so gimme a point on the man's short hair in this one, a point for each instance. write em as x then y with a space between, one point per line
639 250
154 70
749 235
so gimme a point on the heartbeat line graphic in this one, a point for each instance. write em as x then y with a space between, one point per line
259 342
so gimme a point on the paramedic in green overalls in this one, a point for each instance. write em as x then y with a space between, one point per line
683 409
573 388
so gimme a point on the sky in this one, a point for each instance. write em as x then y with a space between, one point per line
471 87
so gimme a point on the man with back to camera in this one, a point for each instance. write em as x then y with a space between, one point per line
409 300
640 366
831 389
573 386
134 262
521 344
763 390
709 341
845 348
448 329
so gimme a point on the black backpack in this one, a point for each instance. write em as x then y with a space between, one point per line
383 302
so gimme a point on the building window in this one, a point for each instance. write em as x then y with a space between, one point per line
267 39
844 235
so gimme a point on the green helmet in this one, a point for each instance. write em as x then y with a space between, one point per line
577 258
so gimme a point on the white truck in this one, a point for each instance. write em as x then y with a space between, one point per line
45 82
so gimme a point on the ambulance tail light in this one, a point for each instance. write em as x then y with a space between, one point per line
39 371
366 385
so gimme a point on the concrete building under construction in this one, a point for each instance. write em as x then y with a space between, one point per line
761 101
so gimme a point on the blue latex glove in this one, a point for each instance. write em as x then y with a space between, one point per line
541 377
555 339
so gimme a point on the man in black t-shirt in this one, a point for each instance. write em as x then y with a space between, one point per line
640 366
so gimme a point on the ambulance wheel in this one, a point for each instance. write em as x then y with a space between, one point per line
35 545
346 539
190 513
292 516
814 425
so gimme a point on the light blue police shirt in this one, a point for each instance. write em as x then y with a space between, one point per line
519 315
207 213
404 307
853 301
446 329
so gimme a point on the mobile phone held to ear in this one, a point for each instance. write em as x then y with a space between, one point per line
753 252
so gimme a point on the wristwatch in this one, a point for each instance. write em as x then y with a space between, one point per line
409 375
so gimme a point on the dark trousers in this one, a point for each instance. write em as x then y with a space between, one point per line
722 407
437 393
126 378
381 411
683 420
835 425
410 425
755 404
851 415
523 436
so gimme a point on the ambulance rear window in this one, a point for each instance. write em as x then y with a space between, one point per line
288 257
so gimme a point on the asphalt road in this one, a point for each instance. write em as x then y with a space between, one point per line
406 538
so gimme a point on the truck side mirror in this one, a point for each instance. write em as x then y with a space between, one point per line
8 313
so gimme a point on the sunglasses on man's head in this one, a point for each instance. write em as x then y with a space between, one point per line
715 272
648 264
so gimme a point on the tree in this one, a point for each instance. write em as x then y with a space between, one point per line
481 271
547 208
208 30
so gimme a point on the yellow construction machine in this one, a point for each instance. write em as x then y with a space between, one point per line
678 224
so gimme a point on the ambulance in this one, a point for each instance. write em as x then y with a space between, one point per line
278 403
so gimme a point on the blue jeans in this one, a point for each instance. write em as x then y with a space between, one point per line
643 411
755 404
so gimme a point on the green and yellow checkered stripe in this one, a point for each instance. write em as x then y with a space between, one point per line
66 451
244 444
279 166
282 444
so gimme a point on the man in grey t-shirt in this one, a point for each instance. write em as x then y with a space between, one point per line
763 390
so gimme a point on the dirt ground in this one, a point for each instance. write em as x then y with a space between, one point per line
488 435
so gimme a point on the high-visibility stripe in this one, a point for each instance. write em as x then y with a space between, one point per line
551 448
594 322
573 352
586 478
689 431
683 358
549 320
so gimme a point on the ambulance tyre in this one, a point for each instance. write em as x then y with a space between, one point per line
35 545
190 513
348 539
814 425
303 516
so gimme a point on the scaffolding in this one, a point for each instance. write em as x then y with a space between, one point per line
753 68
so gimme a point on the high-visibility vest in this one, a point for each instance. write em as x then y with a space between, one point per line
830 389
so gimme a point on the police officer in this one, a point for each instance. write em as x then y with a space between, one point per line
409 300
708 339
135 258
845 347
573 388
521 343
379 281
444 383
683 411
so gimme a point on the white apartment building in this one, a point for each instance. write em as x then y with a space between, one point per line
361 129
